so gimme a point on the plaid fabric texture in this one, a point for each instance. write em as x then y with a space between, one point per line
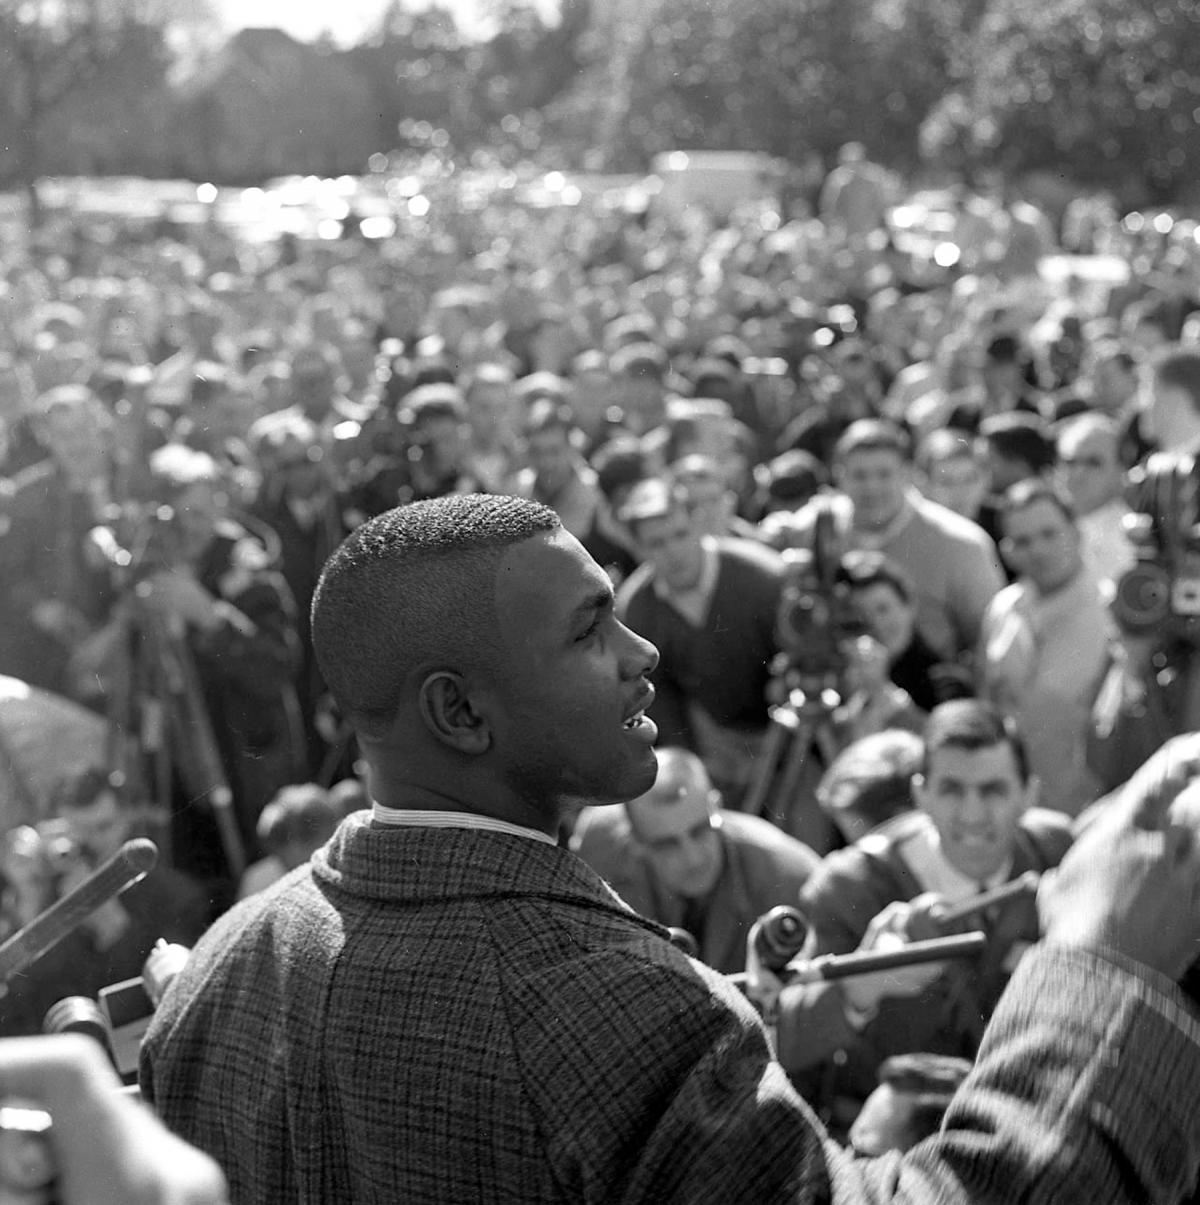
458 1016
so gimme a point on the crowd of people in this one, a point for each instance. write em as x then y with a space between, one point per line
915 539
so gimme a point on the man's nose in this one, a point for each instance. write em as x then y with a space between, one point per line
641 657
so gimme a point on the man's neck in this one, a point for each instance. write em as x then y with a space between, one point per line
1055 591
886 528
406 794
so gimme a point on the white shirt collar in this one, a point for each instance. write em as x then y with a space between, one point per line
423 818
922 853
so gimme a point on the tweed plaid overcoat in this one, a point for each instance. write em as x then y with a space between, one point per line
442 1015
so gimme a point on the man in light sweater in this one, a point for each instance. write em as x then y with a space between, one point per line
1045 644
952 561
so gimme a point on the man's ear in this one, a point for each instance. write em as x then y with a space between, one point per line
449 714
919 791
1033 791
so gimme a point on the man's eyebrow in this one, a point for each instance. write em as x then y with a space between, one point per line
599 601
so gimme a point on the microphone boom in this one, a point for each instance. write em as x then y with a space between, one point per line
131 862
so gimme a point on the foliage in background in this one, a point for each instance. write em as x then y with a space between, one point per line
1105 93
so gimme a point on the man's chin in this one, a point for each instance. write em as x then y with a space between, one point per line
978 869
632 785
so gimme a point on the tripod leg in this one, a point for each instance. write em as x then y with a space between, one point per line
787 785
764 775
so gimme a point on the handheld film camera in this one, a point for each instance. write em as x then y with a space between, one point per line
1160 594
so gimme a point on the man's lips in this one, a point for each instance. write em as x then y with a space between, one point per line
640 706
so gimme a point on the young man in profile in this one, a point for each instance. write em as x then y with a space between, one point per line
447 1006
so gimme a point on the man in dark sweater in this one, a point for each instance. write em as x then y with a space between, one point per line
709 604
676 856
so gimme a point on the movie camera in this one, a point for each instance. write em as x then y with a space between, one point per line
1159 595
814 622
816 616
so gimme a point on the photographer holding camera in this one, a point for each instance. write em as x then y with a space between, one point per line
41 865
1152 689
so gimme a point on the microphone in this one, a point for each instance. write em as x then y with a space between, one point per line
131 862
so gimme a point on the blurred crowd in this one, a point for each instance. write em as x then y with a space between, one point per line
838 474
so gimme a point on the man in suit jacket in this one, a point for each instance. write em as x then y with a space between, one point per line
974 828
448 1006
676 856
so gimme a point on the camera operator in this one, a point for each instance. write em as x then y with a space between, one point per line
204 648
882 594
1152 689
91 822
952 561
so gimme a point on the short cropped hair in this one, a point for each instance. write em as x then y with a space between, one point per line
549 414
1023 494
651 498
972 724
680 762
873 435
862 568
619 464
414 587
946 443
300 812
1089 422
176 466
871 778
1179 368
427 403
1019 435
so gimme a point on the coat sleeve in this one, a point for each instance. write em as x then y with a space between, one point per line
1087 1089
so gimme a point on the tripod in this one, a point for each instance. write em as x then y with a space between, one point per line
800 723
158 720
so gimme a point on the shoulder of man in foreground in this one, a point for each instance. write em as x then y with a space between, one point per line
759 835
952 525
643 1077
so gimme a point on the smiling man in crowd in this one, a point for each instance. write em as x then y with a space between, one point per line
974 828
